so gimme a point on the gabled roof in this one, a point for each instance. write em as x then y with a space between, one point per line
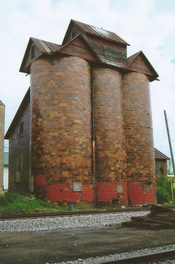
138 62
98 32
43 47
159 155
93 44
79 46
19 112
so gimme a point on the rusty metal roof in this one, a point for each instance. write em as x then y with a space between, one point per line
159 155
45 46
100 32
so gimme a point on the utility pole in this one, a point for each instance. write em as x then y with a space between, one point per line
169 140
171 150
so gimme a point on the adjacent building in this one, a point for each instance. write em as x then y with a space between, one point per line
161 163
2 117
83 132
6 171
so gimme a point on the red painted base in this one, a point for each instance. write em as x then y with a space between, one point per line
63 192
141 193
106 192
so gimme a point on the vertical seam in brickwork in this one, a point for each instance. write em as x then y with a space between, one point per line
93 137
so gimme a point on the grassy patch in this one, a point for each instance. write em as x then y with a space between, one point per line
18 202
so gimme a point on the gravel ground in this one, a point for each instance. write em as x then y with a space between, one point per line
29 236
67 222
130 254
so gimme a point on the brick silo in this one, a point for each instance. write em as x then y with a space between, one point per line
61 129
138 138
110 157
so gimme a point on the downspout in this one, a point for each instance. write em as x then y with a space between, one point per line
93 139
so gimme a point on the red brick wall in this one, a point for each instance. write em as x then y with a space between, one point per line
138 138
61 125
108 126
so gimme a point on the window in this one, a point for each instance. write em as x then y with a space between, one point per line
159 170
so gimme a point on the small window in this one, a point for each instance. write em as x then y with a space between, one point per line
159 170
33 51
21 132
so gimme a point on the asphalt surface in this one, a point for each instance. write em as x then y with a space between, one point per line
57 246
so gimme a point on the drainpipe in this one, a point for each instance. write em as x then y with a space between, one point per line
93 139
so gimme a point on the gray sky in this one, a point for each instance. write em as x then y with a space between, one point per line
147 25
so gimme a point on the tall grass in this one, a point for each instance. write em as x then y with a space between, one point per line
19 202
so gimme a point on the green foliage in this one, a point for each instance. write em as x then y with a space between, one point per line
15 201
163 190
80 207
21 202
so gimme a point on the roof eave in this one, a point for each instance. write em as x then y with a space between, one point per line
18 113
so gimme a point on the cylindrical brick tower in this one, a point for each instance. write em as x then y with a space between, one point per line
108 128
61 129
138 138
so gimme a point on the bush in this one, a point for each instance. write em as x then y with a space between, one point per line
164 190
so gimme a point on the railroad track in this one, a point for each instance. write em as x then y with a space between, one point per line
148 258
14 215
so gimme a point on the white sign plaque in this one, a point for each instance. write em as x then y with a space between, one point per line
77 186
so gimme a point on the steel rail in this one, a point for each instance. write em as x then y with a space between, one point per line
11 215
159 256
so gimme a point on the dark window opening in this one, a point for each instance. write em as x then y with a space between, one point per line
159 170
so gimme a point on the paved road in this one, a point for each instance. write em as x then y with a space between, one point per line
56 246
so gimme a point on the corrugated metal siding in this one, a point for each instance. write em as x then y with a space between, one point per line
99 32
159 155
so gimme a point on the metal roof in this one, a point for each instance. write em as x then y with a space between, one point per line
100 32
45 46
159 155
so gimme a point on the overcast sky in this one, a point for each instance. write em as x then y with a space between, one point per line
147 25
